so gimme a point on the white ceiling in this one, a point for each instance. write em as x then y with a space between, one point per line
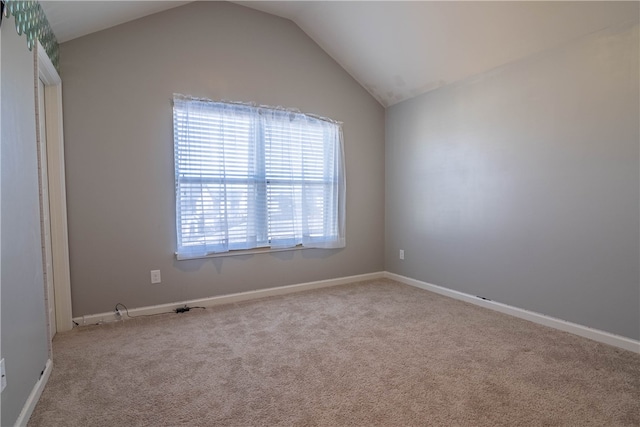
73 19
396 50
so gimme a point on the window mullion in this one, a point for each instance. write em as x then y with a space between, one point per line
330 189
262 219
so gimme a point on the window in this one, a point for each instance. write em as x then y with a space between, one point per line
252 177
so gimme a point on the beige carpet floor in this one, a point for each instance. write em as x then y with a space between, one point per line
370 353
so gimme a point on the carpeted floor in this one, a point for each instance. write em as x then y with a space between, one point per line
370 353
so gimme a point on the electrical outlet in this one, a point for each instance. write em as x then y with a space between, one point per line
155 276
118 315
401 253
3 382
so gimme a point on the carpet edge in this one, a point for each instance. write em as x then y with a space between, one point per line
109 317
532 316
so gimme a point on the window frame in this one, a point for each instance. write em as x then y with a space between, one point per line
337 236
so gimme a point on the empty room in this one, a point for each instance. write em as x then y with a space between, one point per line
313 213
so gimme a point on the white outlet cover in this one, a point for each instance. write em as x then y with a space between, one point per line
3 383
401 253
155 276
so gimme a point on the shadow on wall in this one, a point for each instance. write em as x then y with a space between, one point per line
193 265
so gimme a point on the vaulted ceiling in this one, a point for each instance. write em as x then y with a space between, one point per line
396 50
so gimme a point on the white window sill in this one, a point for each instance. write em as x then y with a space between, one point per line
255 251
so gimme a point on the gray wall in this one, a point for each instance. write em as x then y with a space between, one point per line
118 84
521 185
24 330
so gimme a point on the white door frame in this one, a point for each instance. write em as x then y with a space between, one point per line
57 190
0 200
43 180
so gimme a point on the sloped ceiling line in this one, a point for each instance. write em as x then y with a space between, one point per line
396 49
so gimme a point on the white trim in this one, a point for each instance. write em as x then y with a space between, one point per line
34 396
47 72
256 251
0 207
563 325
57 190
227 299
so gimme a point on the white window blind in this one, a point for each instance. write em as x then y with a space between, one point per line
251 177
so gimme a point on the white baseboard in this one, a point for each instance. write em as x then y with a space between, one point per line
563 325
227 299
34 396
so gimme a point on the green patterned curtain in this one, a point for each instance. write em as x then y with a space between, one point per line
32 22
